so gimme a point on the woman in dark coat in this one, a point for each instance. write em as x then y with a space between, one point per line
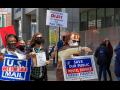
38 73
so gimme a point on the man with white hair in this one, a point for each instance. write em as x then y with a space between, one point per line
60 44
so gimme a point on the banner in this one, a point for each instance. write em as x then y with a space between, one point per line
81 66
55 18
7 30
13 69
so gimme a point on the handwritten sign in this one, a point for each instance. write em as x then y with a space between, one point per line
82 66
41 59
13 69
55 18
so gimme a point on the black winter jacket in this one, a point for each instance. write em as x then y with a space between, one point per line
103 54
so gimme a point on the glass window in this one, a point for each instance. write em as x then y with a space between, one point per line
109 17
91 19
117 16
100 18
83 25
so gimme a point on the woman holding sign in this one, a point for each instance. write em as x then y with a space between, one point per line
39 54
11 42
71 49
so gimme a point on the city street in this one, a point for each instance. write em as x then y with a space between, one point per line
52 76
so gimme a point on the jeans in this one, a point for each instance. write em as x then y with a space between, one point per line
118 78
102 68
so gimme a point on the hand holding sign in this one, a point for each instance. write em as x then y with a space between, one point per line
2 57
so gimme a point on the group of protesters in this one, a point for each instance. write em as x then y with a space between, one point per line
68 46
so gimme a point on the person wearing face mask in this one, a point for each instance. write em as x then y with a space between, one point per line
22 45
36 46
11 42
72 47
60 44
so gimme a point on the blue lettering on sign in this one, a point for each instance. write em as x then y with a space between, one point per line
78 63
17 10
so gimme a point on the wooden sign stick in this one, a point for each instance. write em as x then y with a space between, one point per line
56 44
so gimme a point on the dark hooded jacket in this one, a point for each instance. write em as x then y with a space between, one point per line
117 61
103 55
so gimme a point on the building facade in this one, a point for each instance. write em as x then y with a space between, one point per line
93 24
8 19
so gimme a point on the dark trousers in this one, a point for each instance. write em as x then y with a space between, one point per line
34 79
108 70
102 68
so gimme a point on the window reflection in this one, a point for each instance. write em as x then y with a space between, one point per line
100 18
109 17
91 19
83 25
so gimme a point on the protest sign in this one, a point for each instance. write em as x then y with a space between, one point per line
55 18
13 69
7 30
58 19
41 59
80 66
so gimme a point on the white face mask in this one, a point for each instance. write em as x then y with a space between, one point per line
74 44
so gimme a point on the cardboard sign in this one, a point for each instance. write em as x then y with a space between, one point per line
13 69
5 31
81 66
55 18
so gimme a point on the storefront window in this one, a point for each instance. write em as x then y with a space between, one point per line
117 12
109 17
83 25
91 19
100 18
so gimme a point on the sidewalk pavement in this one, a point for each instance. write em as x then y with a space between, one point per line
52 75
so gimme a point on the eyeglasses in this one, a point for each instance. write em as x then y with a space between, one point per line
39 37
75 41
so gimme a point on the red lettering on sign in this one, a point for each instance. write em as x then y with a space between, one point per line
14 69
79 70
56 16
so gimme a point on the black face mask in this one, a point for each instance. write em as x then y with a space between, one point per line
21 47
38 41
64 38
12 45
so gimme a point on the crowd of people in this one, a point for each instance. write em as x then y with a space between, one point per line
68 46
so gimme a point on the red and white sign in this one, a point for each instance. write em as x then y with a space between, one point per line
55 18
3 11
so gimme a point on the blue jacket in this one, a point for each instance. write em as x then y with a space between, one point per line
117 61
59 44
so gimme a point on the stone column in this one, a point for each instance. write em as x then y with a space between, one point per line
41 26
25 25
14 22
73 19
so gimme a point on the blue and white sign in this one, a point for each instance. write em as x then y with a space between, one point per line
13 69
55 18
80 66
